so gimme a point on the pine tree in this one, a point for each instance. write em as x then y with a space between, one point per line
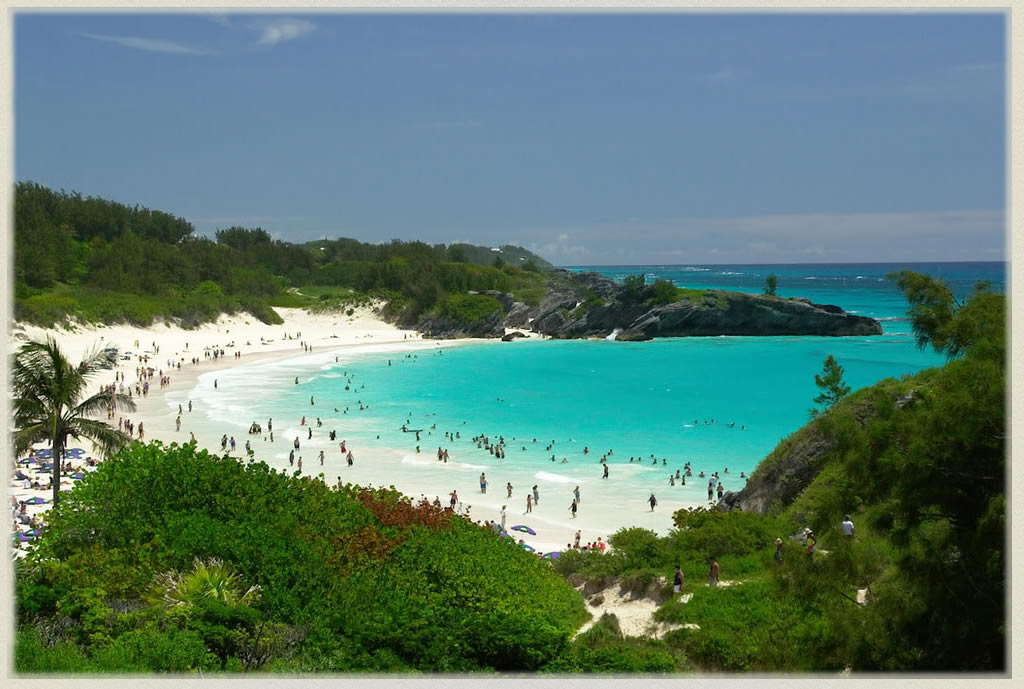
831 383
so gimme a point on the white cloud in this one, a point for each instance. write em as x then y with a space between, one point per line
281 30
153 45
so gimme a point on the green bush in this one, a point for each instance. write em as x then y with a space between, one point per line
358 579
469 309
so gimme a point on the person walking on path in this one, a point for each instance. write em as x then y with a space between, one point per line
677 581
778 550
653 500
847 527
713 573
811 542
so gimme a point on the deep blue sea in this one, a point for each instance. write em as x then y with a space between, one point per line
714 401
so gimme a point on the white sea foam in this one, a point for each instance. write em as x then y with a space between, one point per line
556 478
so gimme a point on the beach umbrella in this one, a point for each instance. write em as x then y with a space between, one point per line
527 529
36 501
75 452
552 556
45 454
33 532
79 475
21 538
27 460
527 546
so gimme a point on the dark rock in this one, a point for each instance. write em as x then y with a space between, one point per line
518 315
730 501
597 600
508 337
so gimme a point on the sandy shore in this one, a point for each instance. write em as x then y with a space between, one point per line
328 335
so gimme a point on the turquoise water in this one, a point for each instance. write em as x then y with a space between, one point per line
637 398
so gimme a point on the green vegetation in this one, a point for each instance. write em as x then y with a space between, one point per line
635 284
48 404
830 380
100 261
920 464
771 284
151 565
470 309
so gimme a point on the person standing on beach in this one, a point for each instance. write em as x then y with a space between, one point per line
190 405
509 489
454 499
503 517
291 458
653 500
576 539
713 572
321 457
677 581
296 443
536 496
529 503
483 483
300 464
573 507
576 493
177 423
605 471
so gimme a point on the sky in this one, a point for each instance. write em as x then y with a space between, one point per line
682 138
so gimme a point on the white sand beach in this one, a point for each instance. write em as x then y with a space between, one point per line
163 347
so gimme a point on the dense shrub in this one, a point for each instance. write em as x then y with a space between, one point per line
350 579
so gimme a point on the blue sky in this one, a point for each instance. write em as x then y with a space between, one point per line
592 139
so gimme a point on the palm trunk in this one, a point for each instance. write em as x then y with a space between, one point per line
58 459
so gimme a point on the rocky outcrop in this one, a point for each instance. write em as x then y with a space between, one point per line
439 327
592 305
589 304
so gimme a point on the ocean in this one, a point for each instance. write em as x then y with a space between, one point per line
716 402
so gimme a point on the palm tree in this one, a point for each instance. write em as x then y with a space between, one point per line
48 405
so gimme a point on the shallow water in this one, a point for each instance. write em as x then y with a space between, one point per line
717 402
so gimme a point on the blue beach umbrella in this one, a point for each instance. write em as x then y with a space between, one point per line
27 460
36 501
527 529
551 556
21 538
79 475
526 546
32 532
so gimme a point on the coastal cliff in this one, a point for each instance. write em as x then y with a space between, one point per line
579 305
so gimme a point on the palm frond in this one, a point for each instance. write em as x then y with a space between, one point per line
107 439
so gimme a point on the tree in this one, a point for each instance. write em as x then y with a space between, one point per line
634 285
664 291
770 284
831 383
498 262
953 327
456 254
48 404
